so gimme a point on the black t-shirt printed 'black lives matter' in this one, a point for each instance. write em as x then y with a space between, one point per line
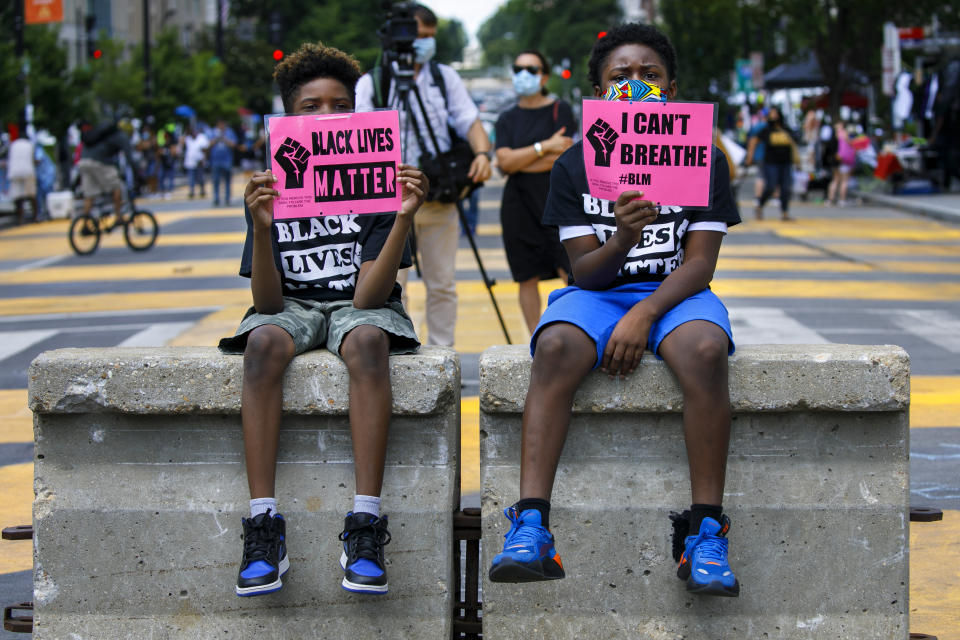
319 257
570 204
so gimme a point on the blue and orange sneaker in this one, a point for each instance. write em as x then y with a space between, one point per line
265 559
704 561
364 536
528 553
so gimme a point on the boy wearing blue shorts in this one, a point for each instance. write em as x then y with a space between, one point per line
323 281
641 276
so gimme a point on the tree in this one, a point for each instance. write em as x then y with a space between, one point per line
451 41
707 42
847 36
557 28
196 80
345 24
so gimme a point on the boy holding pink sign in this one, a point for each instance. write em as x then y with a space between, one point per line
641 275
320 281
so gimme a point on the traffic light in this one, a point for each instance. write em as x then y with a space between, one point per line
97 53
90 26
565 74
277 55
602 34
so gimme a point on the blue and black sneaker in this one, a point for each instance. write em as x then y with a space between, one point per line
528 553
364 536
264 555
704 561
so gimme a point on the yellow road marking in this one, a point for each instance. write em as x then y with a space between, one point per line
934 401
16 421
16 487
125 301
927 250
836 289
760 250
209 329
470 444
130 271
935 576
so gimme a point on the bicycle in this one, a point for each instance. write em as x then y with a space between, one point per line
140 229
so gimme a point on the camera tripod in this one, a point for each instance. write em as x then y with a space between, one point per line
405 85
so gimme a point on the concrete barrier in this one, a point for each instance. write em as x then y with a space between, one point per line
140 487
817 490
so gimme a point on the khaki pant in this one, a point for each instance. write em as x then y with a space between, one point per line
438 228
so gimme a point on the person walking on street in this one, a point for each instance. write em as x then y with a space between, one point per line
195 145
221 161
446 102
22 173
844 157
530 137
779 159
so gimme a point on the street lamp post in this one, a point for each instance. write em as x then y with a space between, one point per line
147 72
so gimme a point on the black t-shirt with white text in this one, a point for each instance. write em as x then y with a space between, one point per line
660 251
319 257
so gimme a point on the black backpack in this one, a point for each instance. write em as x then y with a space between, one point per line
448 171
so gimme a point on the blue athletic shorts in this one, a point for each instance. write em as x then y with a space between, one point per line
598 312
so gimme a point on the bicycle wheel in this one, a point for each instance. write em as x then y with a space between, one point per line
141 231
84 235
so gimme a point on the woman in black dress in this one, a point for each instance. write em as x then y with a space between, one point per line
530 137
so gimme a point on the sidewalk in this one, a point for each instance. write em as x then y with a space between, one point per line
942 206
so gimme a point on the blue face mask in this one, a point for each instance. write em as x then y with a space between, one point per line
526 83
423 49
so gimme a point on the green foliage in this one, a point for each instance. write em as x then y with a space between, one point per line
451 40
350 26
707 42
196 80
558 28
115 81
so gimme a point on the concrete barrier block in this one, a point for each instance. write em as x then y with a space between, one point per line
817 490
140 487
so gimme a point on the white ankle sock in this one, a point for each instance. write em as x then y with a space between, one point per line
260 505
366 504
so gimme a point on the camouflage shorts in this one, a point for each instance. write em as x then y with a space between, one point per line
314 324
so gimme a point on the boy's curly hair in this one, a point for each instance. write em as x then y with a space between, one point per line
631 33
312 61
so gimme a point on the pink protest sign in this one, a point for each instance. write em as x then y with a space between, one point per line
335 164
660 148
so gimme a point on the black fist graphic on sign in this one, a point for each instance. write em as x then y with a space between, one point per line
603 139
292 158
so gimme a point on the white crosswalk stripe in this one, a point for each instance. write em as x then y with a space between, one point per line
766 325
156 335
13 342
937 326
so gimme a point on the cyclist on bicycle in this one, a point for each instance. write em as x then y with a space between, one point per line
98 168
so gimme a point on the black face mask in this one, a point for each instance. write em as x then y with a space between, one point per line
773 121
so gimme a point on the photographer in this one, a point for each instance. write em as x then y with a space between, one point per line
436 225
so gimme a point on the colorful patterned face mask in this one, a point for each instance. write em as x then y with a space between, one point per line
635 91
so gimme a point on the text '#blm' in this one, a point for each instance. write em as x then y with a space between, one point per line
360 181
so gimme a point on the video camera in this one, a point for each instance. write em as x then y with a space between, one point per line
399 31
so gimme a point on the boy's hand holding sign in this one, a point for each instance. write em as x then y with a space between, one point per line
659 148
336 164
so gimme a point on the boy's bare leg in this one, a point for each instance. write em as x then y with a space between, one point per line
696 352
365 350
564 356
269 350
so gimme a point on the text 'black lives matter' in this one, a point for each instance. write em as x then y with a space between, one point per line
359 181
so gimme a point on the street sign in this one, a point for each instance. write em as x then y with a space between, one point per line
43 11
